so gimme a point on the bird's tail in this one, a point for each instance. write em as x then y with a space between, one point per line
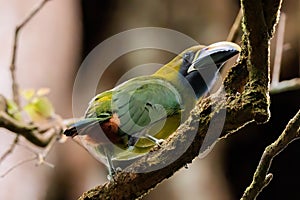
78 128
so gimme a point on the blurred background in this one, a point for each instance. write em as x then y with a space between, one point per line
55 42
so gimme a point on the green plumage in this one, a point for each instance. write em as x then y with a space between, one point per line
141 104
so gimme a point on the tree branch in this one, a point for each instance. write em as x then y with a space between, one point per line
10 150
15 86
261 177
133 185
278 51
31 132
235 28
36 135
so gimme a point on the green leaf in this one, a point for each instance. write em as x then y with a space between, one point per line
13 111
40 108
28 94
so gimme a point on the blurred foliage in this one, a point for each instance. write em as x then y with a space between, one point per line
13 110
38 107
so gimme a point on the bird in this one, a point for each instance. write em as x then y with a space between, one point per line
127 121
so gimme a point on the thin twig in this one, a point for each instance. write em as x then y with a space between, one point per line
279 50
261 177
11 149
40 157
17 165
235 28
15 86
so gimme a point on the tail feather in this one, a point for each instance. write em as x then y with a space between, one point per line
79 127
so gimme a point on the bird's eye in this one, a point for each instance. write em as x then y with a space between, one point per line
186 62
188 57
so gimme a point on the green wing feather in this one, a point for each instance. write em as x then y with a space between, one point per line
143 101
139 103
144 105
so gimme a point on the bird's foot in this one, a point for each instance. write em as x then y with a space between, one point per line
158 142
130 148
112 173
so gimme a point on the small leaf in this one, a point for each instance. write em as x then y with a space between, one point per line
13 111
30 110
40 108
44 106
28 94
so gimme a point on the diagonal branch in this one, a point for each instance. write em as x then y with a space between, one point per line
11 149
36 135
278 51
261 177
235 28
133 185
30 132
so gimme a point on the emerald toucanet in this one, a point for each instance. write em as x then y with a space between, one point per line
128 120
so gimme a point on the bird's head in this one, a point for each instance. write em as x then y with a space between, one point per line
200 65
215 54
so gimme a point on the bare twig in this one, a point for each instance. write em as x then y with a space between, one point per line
278 51
17 165
11 149
40 157
261 177
15 87
235 28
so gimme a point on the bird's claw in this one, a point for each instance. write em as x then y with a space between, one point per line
158 142
112 174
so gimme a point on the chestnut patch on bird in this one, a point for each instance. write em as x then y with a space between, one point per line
111 128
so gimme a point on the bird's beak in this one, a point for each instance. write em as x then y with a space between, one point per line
214 54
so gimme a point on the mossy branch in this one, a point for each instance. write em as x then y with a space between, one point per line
36 135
